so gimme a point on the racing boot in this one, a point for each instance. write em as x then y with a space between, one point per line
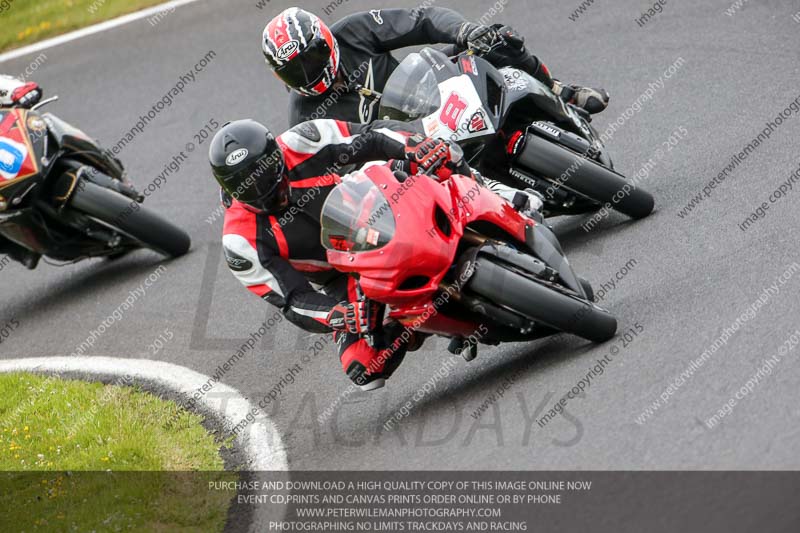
591 100
366 366
535 208
528 202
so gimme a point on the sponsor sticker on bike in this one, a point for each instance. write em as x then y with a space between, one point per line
453 110
478 122
373 236
514 80
546 128
462 115
469 65
36 124
12 157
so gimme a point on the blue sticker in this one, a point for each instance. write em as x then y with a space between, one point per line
11 158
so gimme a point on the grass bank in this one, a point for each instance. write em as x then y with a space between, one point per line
28 21
86 456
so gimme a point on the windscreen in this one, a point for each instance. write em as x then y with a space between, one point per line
412 91
356 217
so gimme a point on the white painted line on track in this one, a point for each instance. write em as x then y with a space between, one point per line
91 30
261 443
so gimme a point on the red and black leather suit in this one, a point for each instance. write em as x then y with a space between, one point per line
279 256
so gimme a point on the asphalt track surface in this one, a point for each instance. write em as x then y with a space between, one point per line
692 277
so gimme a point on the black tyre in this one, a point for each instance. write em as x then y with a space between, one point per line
588 289
585 177
541 303
117 211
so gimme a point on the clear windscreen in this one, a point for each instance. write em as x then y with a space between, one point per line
412 91
356 216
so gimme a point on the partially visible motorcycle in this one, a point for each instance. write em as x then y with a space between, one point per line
64 197
454 259
514 129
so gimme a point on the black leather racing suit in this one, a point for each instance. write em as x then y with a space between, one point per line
366 42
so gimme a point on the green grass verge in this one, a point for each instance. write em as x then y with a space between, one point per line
137 462
28 21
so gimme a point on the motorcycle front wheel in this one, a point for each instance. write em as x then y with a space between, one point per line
585 177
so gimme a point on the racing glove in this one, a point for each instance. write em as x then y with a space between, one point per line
477 37
435 156
511 38
358 318
16 93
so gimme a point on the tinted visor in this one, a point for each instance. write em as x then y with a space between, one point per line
308 68
263 185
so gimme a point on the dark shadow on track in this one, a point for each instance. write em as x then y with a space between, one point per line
95 277
526 359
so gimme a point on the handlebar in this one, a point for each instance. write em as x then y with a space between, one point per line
44 103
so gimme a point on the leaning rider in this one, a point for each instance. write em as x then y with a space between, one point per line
274 190
353 57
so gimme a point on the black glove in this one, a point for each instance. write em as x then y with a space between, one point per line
358 318
478 37
511 38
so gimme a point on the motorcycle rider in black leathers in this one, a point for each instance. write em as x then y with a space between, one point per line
17 93
331 71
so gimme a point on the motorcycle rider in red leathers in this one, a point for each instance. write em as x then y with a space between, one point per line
274 190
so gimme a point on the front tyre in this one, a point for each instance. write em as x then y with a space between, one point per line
541 303
115 210
585 177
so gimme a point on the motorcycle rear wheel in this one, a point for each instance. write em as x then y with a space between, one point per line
146 228
540 303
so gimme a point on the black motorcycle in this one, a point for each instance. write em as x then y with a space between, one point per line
64 197
513 128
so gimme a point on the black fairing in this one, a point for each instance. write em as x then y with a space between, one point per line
35 218
78 146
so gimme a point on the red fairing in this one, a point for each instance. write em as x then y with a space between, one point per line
420 250
479 204
423 320
382 271
17 159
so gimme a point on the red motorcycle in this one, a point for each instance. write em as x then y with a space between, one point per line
456 260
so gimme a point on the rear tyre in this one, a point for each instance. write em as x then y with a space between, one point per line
143 226
585 177
541 303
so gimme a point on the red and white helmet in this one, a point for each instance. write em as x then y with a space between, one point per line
302 51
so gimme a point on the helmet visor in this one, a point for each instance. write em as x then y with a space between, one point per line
307 69
263 185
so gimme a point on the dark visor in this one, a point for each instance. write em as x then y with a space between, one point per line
258 185
307 69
